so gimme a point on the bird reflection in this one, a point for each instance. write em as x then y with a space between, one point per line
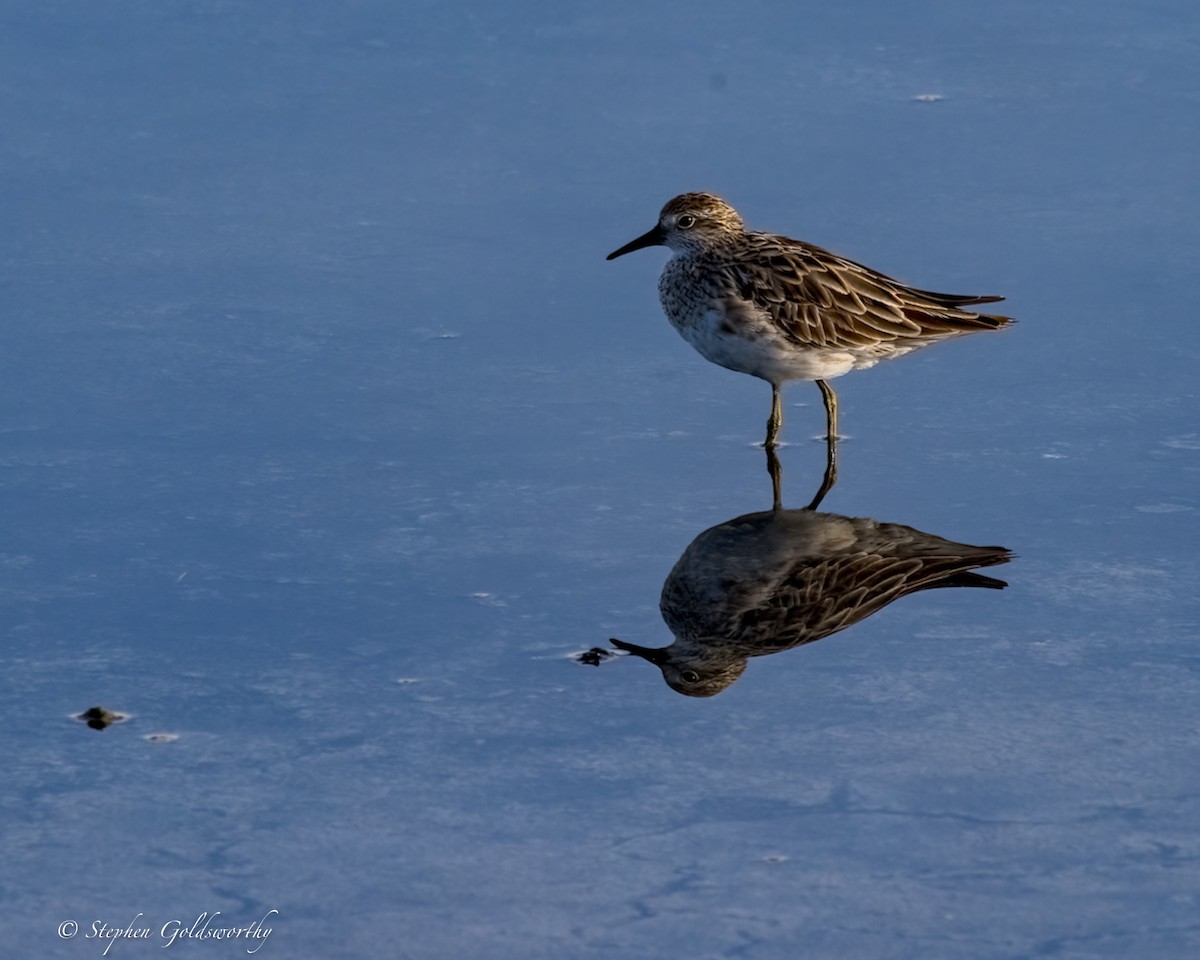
766 582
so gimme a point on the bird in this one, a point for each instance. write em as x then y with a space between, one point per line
770 581
781 309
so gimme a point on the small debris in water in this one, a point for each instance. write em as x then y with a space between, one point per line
595 656
161 737
928 97
98 718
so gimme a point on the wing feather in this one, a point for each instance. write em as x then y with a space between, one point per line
821 299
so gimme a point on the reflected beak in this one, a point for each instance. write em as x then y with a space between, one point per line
656 655
652 238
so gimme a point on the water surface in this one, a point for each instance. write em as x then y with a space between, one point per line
329 440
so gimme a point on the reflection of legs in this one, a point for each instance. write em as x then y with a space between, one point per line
776 471
831 438
830 399
776 420
830 470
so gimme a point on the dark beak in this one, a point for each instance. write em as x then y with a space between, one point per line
653 238
656 655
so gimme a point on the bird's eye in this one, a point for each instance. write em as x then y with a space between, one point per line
686 222
690 676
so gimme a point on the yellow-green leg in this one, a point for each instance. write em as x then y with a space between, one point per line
831 438
830 399
830 477
775 471
776 420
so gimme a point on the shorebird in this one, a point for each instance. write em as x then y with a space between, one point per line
781 309
767 582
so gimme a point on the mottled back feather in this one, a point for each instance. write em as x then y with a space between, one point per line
820 299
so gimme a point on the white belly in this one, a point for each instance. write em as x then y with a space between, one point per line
759 349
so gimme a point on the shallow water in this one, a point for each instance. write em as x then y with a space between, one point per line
330 441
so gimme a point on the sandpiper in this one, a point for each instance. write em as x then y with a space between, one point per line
781 309
767 582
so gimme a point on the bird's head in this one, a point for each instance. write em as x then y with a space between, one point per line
689 223
692 675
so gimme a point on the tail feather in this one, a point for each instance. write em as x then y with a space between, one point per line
957 314
967 579
955 299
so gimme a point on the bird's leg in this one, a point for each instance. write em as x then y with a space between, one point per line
775 470
830 471
831 439
776 420
830 399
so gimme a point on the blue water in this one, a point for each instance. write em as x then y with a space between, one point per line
329 440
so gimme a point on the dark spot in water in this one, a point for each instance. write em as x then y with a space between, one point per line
98 718
595 656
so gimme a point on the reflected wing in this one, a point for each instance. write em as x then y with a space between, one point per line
820 598
825 300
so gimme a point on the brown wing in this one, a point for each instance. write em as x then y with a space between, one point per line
825 300
822 597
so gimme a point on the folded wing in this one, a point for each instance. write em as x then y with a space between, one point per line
823 300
